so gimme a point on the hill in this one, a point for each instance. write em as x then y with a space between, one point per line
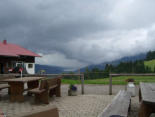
150 63
116 62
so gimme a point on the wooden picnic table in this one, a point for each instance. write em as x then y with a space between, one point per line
147 99
17 86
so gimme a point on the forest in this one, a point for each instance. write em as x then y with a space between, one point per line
137 66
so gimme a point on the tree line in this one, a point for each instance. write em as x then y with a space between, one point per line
137 66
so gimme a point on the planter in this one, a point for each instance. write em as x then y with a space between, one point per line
72 92
131 88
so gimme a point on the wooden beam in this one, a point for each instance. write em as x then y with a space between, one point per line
127 74
110 84
82 84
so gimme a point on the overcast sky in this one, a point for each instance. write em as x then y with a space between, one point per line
77 33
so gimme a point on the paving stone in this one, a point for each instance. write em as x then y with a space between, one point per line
96 98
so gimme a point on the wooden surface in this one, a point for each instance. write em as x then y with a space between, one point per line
50 111
110 85
119 106
82 84
37 90
24 79
132 74
147 99
147 92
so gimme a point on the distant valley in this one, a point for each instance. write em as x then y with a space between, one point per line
49 69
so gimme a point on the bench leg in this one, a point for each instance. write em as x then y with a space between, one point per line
58 91
43 97
145 110
52 92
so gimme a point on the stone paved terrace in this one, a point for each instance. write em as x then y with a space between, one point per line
96 98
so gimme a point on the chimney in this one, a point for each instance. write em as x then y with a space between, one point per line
4 42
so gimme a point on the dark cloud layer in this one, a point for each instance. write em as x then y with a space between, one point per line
74 34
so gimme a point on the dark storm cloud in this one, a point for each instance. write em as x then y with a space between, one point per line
74 34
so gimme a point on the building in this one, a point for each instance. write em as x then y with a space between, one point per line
12 56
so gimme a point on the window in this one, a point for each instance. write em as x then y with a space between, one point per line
30 65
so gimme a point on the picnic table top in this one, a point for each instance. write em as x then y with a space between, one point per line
24 79
148 92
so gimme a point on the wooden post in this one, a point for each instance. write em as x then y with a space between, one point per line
21 74
110 84
82 84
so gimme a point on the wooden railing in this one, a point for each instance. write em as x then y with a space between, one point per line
125 74
2 76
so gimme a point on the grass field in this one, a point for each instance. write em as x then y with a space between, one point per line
118 80
150 63
115 80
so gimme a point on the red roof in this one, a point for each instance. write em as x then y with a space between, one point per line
8 49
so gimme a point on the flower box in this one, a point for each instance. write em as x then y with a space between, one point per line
72 91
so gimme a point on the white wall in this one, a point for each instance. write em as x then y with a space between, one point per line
30 70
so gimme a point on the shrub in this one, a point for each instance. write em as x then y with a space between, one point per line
130 80
72 87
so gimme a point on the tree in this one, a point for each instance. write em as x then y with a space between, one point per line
154 69
150 55
87 73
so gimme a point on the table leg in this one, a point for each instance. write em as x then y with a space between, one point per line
145 110
16 91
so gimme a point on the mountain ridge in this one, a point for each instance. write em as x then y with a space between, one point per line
56 70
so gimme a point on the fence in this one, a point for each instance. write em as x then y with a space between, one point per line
111 75
46 75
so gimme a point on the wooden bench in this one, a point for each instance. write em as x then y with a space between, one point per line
41 93
119 107
147 99
48 87
54 86
4 86
51 111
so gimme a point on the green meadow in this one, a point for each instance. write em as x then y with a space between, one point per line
150 64
115 80
121 80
